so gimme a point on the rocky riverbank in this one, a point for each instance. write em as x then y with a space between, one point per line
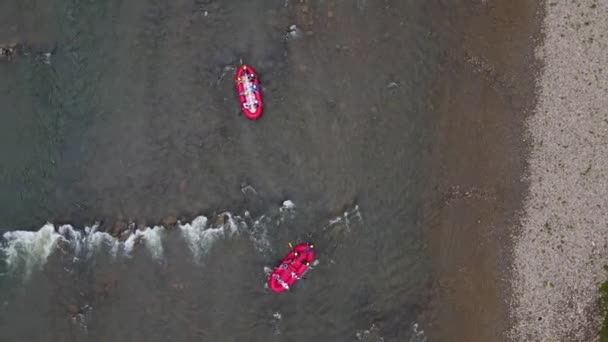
561 249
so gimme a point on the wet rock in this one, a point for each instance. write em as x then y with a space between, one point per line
248 190
119 227
73 309
132 226
124 235
8 53
46 57
104 288
392 85
12 51
169 221
293 32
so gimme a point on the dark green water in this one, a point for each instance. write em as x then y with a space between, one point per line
134 118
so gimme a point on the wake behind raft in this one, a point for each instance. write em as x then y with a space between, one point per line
292 268
248 88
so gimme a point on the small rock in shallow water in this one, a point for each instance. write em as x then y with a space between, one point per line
293 32
7 52
73 309
118 227
169 221
248 190
46 57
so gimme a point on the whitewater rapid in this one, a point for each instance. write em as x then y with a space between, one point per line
24 252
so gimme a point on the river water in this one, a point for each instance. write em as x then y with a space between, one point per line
122 116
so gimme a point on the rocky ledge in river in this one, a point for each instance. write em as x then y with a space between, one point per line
10 52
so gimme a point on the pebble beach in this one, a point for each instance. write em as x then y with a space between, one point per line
560 249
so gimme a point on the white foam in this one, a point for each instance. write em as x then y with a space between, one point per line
199 237
73 237
150 237
97 241
293 32
287 205
129 244
287 211
29 250
335 220
370 334
417 334
276 318
84 244
82 318
259 235
347 218
233 223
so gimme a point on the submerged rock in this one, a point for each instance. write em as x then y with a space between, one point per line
73 309
169 221
293 32
118 228
248 190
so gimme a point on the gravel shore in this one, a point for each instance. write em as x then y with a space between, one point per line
561 247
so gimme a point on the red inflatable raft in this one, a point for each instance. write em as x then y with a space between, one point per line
248 88
292 268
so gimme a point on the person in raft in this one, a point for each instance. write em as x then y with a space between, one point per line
251 107
308 249
253 88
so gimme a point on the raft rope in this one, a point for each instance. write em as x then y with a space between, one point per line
281 282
